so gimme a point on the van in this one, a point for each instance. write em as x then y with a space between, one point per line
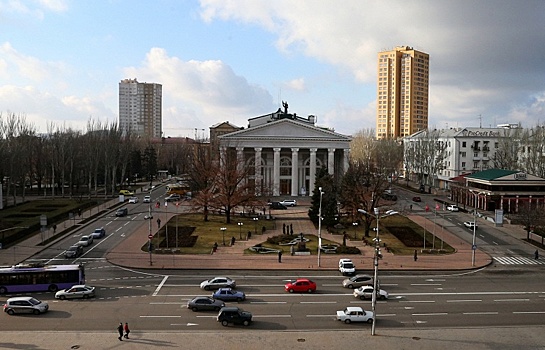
126 193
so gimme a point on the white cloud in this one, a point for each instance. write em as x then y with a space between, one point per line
296 84
209 89
28 67
54 5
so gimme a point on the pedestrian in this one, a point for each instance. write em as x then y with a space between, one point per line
127 330
292 250
411 206
79 212
233 241
215 247
283 229
536 255
279 256
158 223
249 235
344 239
263 229
120 331
54 228
415 255
291 229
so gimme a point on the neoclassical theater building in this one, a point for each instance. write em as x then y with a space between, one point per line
284 151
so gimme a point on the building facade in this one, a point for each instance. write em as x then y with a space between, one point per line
285 151
402 92
140 108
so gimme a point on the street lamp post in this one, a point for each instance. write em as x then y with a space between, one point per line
376 257
355 224
223 233
473 241
256 219
320 226
240 230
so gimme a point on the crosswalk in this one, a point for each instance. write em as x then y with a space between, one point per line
518 260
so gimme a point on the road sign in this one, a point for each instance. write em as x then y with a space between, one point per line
150 236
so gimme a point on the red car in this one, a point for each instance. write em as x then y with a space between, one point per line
417 199
300 285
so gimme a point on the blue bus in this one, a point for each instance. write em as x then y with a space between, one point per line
39 277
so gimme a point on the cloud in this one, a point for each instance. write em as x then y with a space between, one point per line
296 84
210 89
28 67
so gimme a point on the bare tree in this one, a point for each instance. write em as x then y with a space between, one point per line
425 155
507 152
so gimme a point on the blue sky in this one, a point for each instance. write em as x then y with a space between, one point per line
231 60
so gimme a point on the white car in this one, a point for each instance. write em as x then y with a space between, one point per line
355 314
346 267
453 208
78 291
133 200
471 224
147 199
218 282
366 292
289 202
85 241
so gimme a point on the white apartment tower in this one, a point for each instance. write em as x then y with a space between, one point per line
140 108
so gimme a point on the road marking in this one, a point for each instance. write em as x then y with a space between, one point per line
529 312
479 313
417 301
463 300
425 284
271 316
511 299
160 286
318 302
434 280
268 302
159 316
432 314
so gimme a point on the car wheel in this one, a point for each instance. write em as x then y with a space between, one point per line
370 321
53 288
310 290
347 320
36 312
290 290
217 308
85 296
362 297
350 286
224 323
246 322
239 299
10 312
206 287
62 297
382 297
3 290
195 309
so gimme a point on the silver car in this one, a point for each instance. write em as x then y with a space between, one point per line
218 282
358 281
78 291
29 305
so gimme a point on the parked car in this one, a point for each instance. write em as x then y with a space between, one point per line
73 251
205 304
21 305
99 232
471 224
277 205
122 212
234 315
358 281
77 291
389 197
417 199
173 198
85 241
346 267
453 207
300 285
147 199
366 292
229 294
126 192
355 314
289 202
218 282
133 200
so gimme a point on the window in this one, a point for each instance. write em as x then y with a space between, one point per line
464 144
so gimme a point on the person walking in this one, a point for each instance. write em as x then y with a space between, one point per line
158 223
120 331
536 254
415 255
127 330
279 256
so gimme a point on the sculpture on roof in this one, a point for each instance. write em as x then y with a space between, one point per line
285 105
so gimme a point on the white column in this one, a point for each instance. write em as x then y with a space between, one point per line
223 154
346 153
331 161
258 177
240 158
312 170
294 172
276 172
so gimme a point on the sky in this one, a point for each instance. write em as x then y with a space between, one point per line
61 61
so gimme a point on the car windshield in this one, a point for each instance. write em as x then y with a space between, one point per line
34 301
348 265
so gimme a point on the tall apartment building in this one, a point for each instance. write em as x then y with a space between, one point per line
402 92
140 108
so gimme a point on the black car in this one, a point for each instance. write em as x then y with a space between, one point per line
122 212
205 303
277 205
234 315
73 252
173 198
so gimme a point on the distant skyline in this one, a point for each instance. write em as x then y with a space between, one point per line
231 60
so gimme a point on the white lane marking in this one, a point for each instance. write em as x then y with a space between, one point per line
160 286
159 316
417 301
463 300
268 302
272 316
529 312
479 313
318 302
511 299
432 314
425 284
